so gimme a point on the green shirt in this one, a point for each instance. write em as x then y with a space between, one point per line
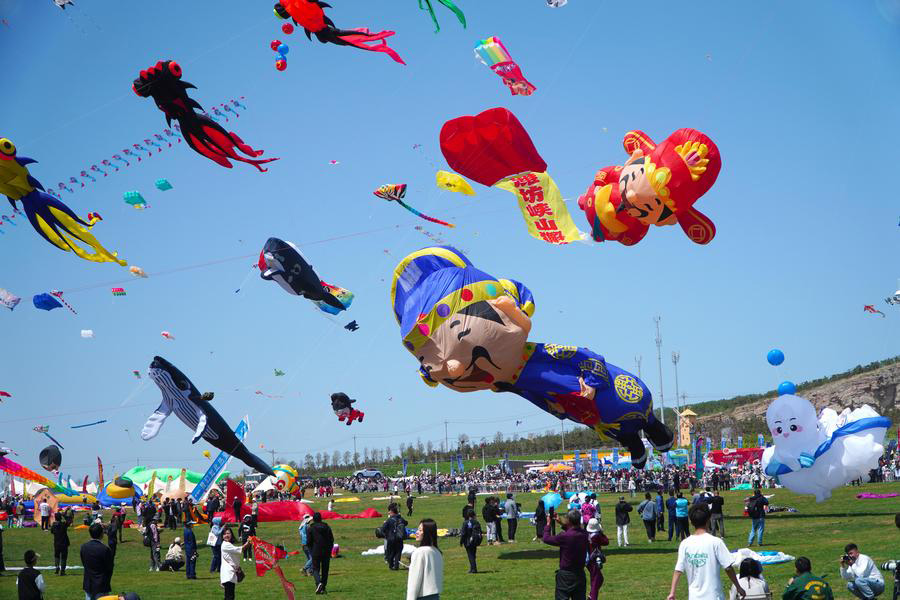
807 587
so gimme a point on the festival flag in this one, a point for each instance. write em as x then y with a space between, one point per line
405 464
459 463
267 556
578 466
698 457
708 445
595 460
740 441
724 443
99 474
761 441
452 467
615 456
218 465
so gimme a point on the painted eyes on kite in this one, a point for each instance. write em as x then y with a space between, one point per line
778 430
280 11
7 147
793 428
175 69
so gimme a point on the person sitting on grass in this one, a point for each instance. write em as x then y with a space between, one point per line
700 556
750 576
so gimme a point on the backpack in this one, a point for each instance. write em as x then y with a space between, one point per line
395 531
147 543
475 537
754 508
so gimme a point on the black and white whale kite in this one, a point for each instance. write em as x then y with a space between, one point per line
180 396
282 262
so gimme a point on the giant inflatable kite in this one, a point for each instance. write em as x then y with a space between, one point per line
282 262
163 83
53 220
813 455
657 185
494 149
469 332
194 410
310 15
493 54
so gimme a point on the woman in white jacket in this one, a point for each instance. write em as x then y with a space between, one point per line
426 565
231 562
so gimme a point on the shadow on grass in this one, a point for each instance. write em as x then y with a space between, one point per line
529 555
640 550
828 515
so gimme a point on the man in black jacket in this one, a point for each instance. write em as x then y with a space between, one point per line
30 582
60 543
112 533
320 541
622 520
97 561
394 532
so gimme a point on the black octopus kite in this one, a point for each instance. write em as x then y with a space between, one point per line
163 83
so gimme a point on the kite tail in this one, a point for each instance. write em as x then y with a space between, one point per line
362 39
459 14
251 460
424 216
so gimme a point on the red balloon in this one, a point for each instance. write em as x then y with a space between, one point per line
489 146
281 64
274 45
287 28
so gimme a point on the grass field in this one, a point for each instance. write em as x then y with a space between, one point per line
522 570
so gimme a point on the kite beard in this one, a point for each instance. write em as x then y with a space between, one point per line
209 139
360 38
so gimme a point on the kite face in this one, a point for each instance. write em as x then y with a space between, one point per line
658 185
466 328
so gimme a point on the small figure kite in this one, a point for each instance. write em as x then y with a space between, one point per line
137 374
282 262
426 5
453 183
167 335
45 429
310 15
351 326
87 334
163 83
4 395
117 291
53 220
8 299
494 54
163 185
869 308
341 404
395 192
893 300
279 373
63 3
137 271
135 199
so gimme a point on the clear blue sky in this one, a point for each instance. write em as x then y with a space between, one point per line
800 97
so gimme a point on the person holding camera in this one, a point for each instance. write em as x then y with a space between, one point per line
864 580
573 544
805 585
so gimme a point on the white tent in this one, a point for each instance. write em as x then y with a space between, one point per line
265 485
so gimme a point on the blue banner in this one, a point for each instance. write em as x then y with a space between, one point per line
615 457
724 443
578 466
760 441
405 464
218 465
708 445
740 441
595 460
452 466
506 468
459 463
698 458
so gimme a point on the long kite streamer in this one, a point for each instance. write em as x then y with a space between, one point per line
17 470
87 424
395 192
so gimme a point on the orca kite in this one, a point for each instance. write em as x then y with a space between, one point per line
180 396
282 262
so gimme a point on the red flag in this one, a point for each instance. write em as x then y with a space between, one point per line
232 491
84 485
267 556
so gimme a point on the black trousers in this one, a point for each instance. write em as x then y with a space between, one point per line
512 524
470 552
570 585
112 547
320 569
229 590
45 522
650 526
392 553
499 530
60 555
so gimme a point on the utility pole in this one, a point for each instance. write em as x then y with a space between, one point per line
637 361
272 452
446 439
662 402
482 459
676 356
354 449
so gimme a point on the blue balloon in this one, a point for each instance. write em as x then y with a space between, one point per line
787 388
551 500
283 49
775 357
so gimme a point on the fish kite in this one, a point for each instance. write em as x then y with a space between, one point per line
426 5
163 83
279 373
396 192
468 330
193 409
341 405
310 15
351 326
53 220
871 309
492 53
63 3
282 262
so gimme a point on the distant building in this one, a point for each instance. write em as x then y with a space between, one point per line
687 420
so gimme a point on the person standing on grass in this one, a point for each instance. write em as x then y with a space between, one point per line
426 565
540 520
409 504
2 566
153 536
304 544
622 520
44 509
394 532
717 516
231 563
97 561
512 517
673 521
700 557
681 516
321 541
573 546
647 511
470 537
190 550
30 582
214 539
112 533
756 510
660 512
60 543
596 540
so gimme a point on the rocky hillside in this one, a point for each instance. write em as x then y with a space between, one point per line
875 385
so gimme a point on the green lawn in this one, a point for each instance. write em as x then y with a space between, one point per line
522 570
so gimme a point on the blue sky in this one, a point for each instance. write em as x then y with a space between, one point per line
801 100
